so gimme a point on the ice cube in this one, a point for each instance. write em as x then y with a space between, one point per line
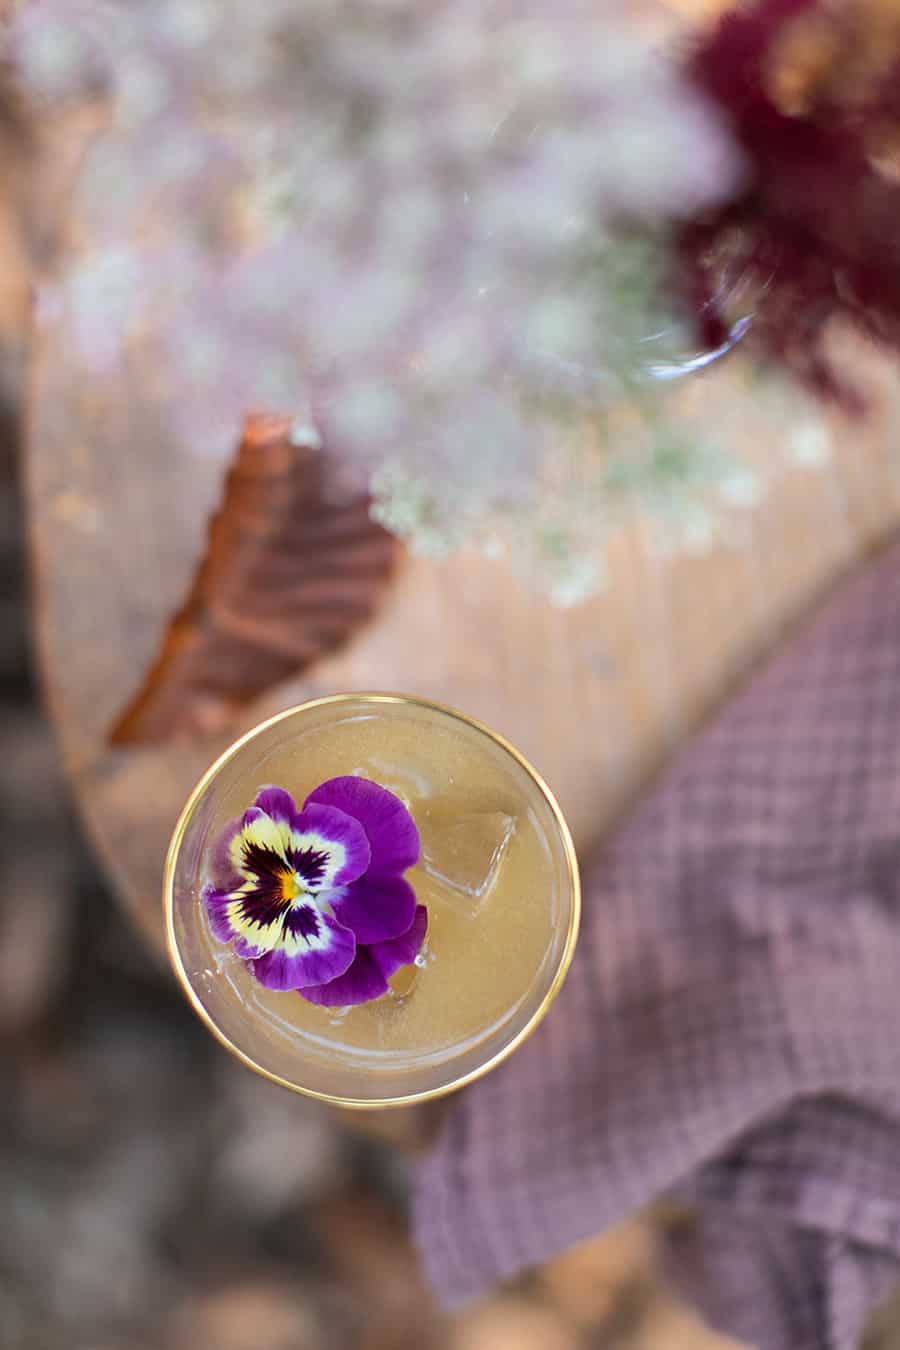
464 849
405 783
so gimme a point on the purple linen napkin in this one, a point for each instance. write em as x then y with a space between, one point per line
730 1029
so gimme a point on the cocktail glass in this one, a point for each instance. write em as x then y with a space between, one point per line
497 872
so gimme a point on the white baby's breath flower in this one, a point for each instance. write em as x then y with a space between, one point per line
435 232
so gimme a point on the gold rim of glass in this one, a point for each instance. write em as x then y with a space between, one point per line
413 1098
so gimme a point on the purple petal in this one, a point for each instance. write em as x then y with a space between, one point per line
362 982
403 950
375 909
313 949
222 869
215 902
392 831
327 847
367 978
277 804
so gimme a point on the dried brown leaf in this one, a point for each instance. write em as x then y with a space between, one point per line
292 569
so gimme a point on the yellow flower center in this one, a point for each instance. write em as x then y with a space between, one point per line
291 886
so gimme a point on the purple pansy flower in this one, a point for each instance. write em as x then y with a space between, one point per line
314 899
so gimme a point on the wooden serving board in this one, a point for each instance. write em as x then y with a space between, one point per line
596 696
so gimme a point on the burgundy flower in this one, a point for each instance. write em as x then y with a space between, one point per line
811 90
314 899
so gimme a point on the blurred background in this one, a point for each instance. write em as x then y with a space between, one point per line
155 1194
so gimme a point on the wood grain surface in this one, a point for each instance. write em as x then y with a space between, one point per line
596 696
